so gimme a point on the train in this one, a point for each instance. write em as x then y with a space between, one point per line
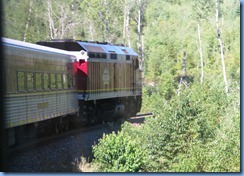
52 84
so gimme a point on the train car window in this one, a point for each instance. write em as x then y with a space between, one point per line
70 81
21 81
113 56
59 81
127 57
92 55
46 81
52 81
73 82
30 81
103 56
38 81
65 81
97 55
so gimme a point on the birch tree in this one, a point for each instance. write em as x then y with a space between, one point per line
126 29
28 20
183 76
201 10
221 45
200 49
62 18
104 19
139 26
16 18
138 17
89 23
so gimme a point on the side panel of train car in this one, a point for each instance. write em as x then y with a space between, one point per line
109 80
39 84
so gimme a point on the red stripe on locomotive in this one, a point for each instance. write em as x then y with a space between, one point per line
80 71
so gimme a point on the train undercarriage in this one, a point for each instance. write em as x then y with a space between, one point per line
90 112
108 109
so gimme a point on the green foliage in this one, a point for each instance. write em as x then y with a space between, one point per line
118 153
15 15
104 17
180 122
222 153
197 130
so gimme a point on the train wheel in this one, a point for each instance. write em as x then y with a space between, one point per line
132 108
127 110
58 128
93 116
30 131
66 125
19 135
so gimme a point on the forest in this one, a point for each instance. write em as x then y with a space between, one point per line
190 55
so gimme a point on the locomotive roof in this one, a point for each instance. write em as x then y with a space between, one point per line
107 48
98 47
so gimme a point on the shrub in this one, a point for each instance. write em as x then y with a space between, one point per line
198 131
118 153
185 122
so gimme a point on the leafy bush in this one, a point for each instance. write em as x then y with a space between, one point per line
197 131
118 153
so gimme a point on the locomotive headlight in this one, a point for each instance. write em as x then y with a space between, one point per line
84 54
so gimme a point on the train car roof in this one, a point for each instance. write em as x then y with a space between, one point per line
73 45
34 47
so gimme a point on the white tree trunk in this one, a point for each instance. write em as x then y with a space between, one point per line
28 20
183 74
125 12
139 28
127 28
91 32
200 51
107 21
50 20
221 47
61 22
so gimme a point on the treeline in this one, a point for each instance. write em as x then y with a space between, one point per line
114 21
191 54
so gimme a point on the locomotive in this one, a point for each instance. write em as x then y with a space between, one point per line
54 83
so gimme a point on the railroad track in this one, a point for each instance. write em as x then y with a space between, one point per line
62 148
144 115
40 141
139 118
60 153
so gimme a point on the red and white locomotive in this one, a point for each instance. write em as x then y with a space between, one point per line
66 80
107 78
